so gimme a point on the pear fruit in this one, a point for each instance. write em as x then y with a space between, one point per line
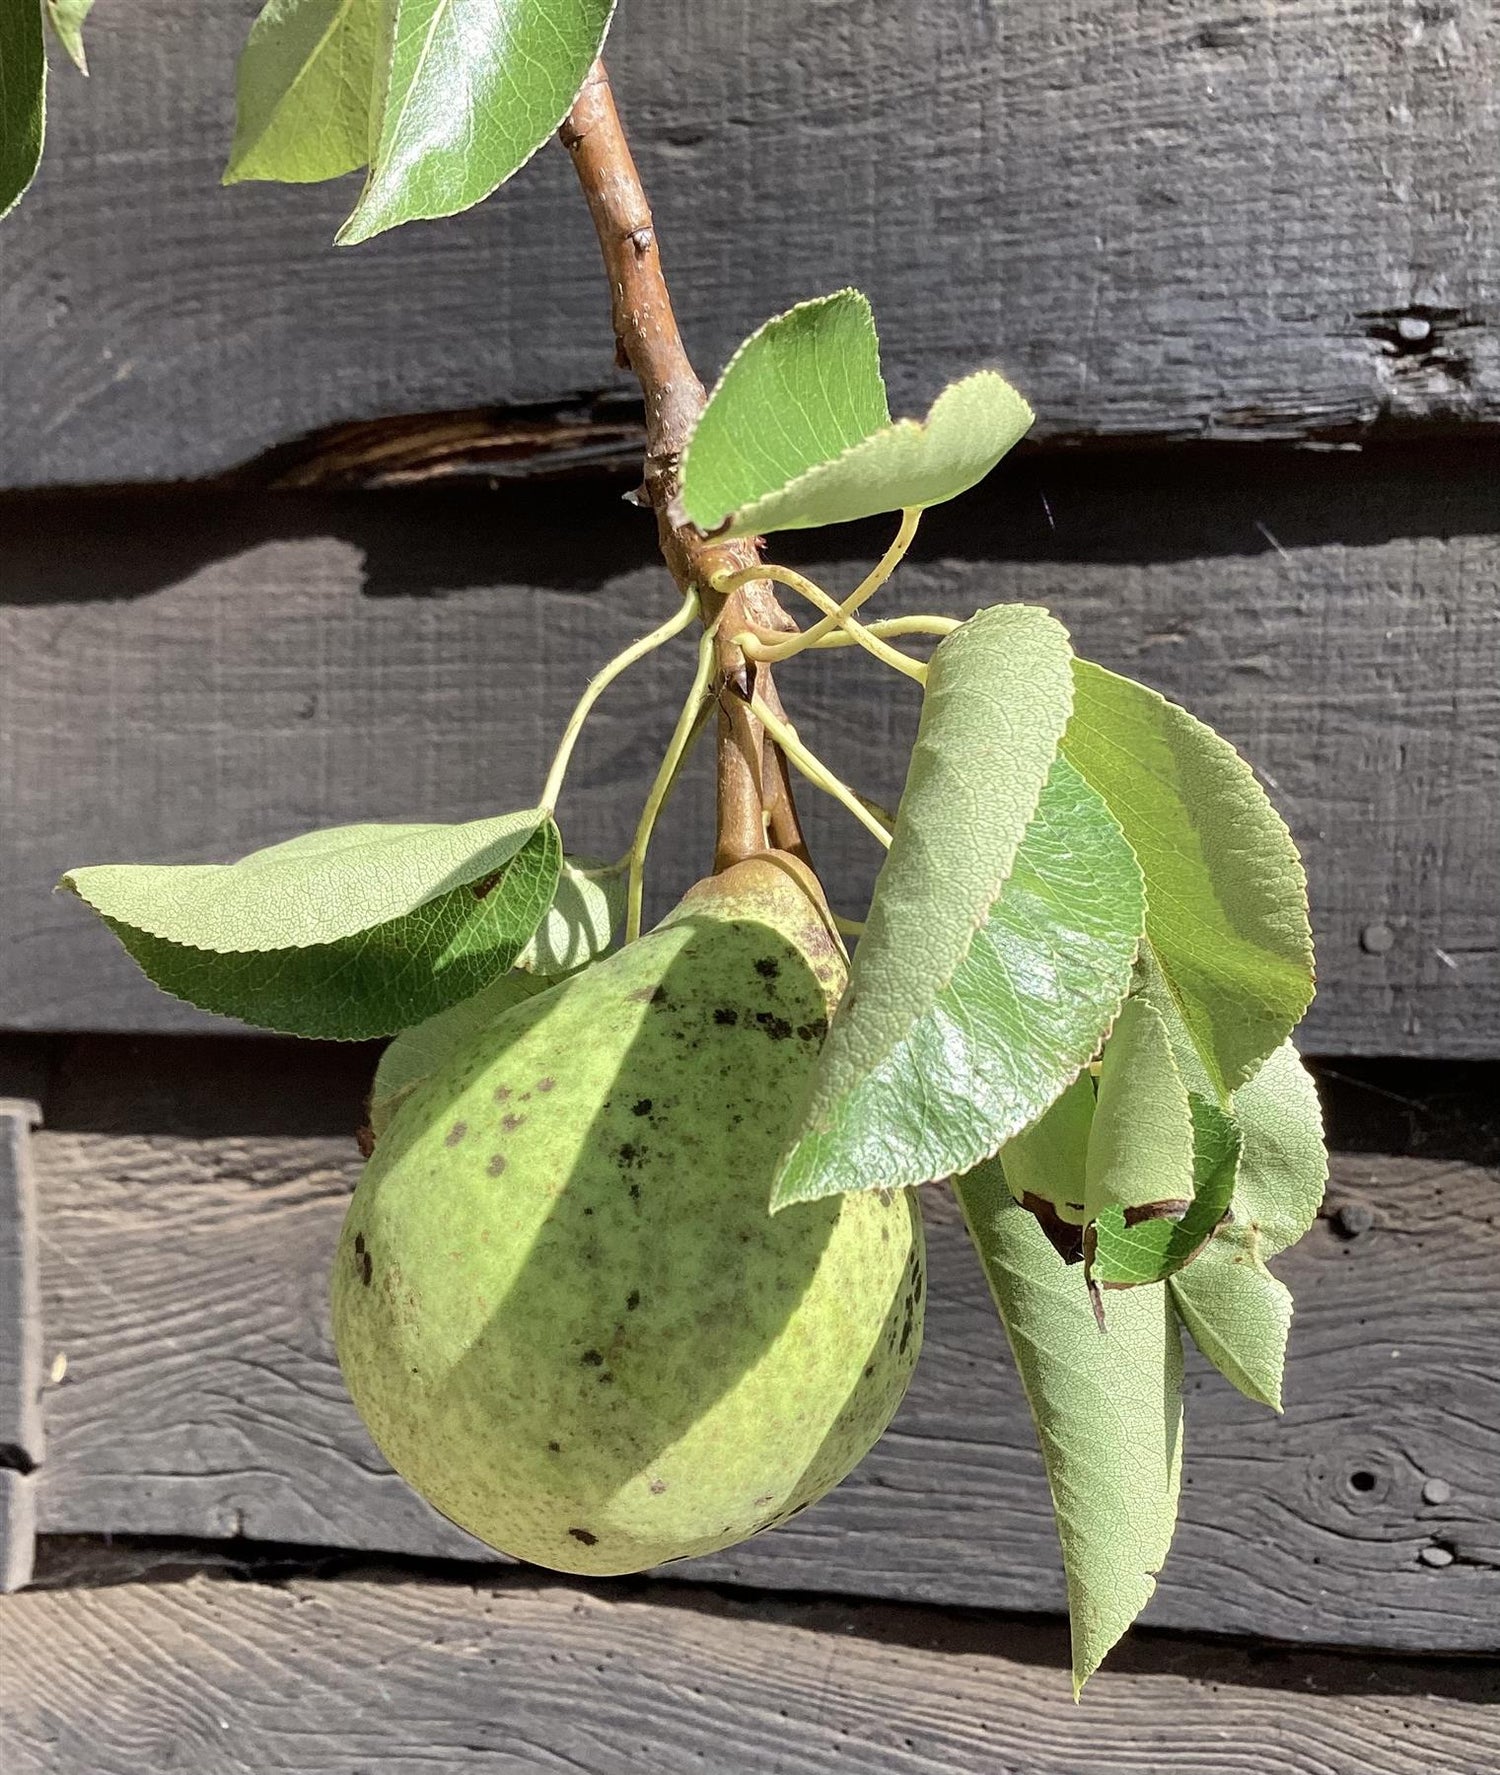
561 1303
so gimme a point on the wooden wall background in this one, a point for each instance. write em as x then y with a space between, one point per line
290 536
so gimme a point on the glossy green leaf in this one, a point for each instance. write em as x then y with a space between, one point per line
473 89
1226 900
1141 1142
1025 1008
797 431
23 98
1047 1161
1134 1247
346 934
581 923
305 86
67 19
1238 1313
416 1054
997 698
1108 1411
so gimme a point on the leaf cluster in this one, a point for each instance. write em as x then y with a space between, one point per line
1088 945
1073 993
438 102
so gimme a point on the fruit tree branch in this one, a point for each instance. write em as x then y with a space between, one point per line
754 788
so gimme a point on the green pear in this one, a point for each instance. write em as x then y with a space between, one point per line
560 1302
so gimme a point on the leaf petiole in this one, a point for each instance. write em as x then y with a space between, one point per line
767 653
890 628
816 772
689 726
866 589
836 617
601 682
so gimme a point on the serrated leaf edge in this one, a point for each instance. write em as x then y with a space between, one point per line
745 521
67 884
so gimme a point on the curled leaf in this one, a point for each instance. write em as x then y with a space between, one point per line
797 431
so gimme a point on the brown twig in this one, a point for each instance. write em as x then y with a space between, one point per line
754 784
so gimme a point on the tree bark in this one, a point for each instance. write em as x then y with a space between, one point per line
755 802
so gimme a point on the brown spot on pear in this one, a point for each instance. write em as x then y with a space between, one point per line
761 1355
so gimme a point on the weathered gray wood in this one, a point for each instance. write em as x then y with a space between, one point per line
186 1279
18 1493
1279 219
191 678
20 1344
308 1677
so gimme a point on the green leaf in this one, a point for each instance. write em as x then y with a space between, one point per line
304 90
1047 1161
314 888
586 911
797 432
66 18
473 89
1108 1411
1132 1247
1141 1142
997 698
1284 1167
578 928
346 934
1226 900
416 1054
1239 1314
800 391
1025 1009
23 98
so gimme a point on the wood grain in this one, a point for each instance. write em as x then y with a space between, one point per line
20 1344
185 1277
1178 221
308 1677
188 678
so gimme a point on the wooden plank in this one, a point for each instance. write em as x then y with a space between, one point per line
185 1276
1277 220
190 678
20 1344
307 1677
